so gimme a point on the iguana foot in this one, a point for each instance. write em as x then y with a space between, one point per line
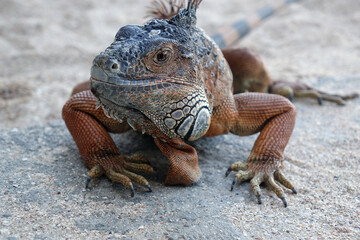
122 169
257 177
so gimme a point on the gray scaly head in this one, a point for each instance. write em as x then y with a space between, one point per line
155 72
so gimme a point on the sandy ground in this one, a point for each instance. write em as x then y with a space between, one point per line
46 47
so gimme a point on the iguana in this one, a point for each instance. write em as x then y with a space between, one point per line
170 80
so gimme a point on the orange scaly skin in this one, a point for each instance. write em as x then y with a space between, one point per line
187 93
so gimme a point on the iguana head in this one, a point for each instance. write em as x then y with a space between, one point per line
156 71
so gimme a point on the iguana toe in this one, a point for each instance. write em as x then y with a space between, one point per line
241 176
135 167
255 185
137 158
236 167
279 176
270 181
95 172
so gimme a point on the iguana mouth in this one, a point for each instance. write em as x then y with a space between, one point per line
141 85
148 82
119 81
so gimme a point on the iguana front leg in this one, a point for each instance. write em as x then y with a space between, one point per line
89 128
274 117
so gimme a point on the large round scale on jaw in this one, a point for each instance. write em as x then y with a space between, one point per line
170 123
185 126
201 125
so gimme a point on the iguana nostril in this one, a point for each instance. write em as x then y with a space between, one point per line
115 66
112 65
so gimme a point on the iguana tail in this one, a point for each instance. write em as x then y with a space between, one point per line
230 34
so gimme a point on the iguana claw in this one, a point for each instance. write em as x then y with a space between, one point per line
228 172
233 183
259 199
320 101
284 201
132 194
87 183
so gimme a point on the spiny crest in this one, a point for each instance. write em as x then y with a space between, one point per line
160 9
175 11
186 17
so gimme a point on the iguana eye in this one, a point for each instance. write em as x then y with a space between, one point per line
162 56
